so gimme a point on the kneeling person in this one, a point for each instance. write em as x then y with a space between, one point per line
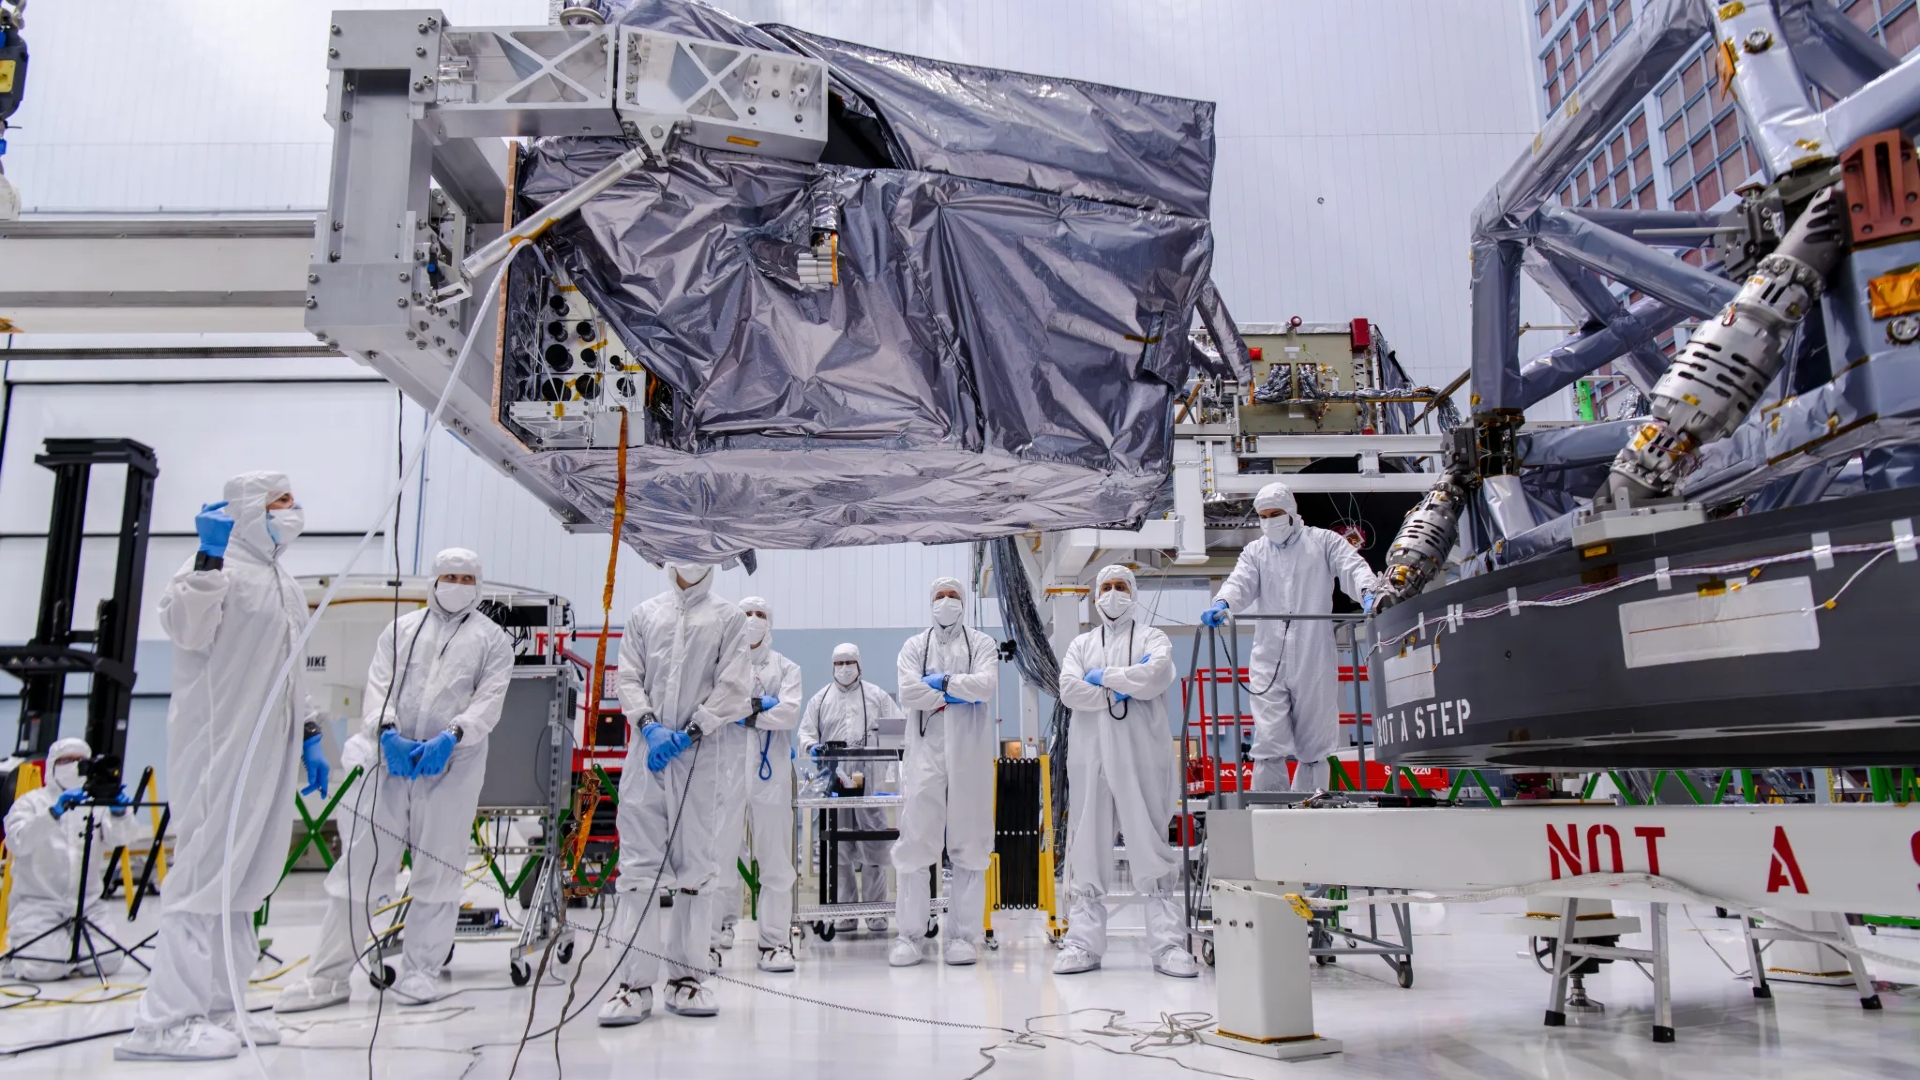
47 843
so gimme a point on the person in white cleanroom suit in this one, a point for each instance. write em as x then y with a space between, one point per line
435 689
1291 569
47 833
1118 680
683 674
758 793
849 711
947 677
233 615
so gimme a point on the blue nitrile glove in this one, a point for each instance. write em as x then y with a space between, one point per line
1118 696
430 758
67 800
1098 676
398 750
767 702
122 802
951 700
663 745
1145 658
1214 615
214 525
814 750
935 681
316 763
1367 602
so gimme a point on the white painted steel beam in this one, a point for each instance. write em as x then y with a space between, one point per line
155 275
1251 483
1797 858
1312 446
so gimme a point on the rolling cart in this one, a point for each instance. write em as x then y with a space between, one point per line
1218 777
824 808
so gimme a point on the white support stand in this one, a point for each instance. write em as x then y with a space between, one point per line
1263 975
1805 958
1593 919
1570 951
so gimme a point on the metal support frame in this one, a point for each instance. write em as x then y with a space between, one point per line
1755 933
43 664
1772 49
419 181
1568 951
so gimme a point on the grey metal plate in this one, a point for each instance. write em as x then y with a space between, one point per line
520 748
1550 687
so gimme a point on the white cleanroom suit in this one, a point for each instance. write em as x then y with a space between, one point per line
759 790
1292 673
850 712
947 777
1118 679
443 668
47 875
232 630
684 667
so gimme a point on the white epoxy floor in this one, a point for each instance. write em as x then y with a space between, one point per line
1474 1012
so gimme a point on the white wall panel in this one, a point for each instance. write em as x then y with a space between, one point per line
334 440
22 558
188 104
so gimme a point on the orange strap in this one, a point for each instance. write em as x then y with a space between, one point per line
597 690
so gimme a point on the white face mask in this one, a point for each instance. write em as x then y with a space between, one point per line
284 525
1279 528
455 598
756 630
66 775
1115 604
690 573
846 674
946 611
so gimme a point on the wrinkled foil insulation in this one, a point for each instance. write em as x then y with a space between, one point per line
999 352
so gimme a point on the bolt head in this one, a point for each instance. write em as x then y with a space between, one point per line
333 256
312 278
420 50
333 54
312 303
400 301
403 275
336 29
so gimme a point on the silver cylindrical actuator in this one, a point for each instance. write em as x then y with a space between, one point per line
1717 377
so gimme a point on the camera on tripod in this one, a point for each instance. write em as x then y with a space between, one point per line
102 773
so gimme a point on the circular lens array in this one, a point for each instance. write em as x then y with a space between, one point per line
573 356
